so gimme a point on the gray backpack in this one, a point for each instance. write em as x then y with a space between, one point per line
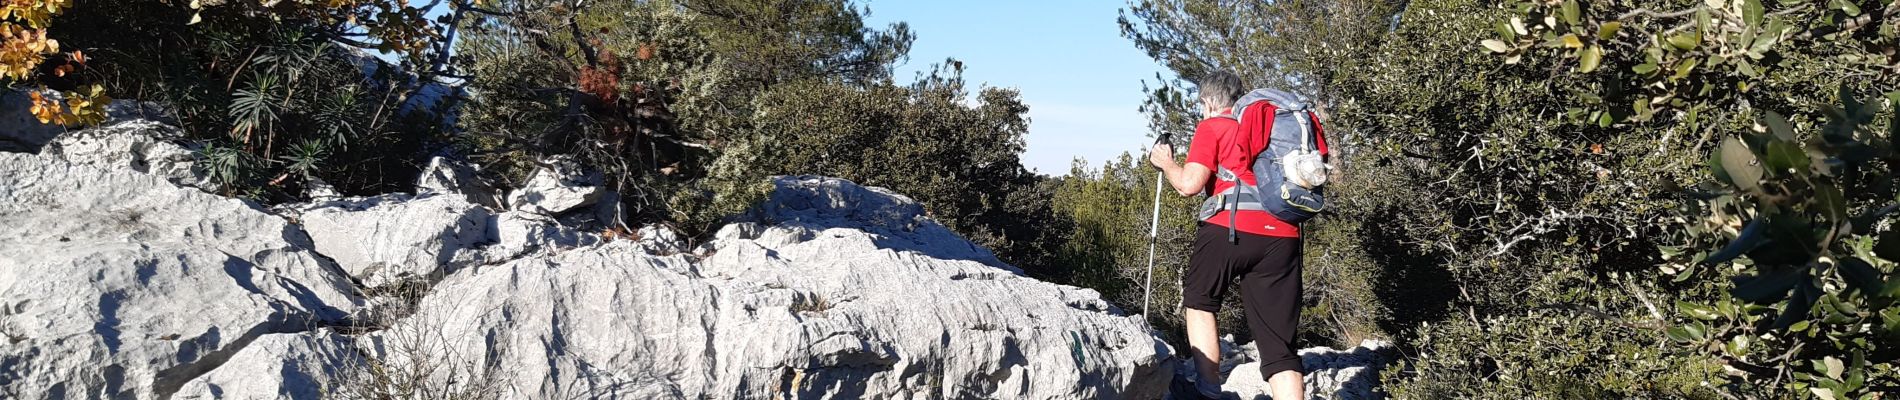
1289 175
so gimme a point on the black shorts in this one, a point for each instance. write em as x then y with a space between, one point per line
1268 269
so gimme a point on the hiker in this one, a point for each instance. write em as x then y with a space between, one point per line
1237 237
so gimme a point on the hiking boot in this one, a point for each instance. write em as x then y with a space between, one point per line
1186 389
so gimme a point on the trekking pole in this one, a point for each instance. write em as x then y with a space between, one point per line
1154 228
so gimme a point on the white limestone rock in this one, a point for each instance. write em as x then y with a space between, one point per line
895 221
518 234
120 284
818 307
137 145
444 176
561 187
289 366
839 291
316 189
390 239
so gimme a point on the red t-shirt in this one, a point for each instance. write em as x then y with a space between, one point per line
1214 145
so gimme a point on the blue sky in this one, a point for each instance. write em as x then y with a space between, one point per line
1081 79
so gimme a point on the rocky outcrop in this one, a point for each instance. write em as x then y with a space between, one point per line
803 205
138 145
1351 374
121 284
389 239
817 305
455 178
128 285
307 365
557 188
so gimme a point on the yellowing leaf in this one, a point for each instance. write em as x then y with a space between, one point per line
1590 58
1571 41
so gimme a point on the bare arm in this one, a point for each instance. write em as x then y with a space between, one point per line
1187 180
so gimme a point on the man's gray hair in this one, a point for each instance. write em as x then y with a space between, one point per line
1221 88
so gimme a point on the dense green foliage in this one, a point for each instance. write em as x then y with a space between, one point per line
276 93
609 84
1804 197
1810 221
1548 199
1107 213
1537 222
1727 72
657 94
1514 168
686 106
919 140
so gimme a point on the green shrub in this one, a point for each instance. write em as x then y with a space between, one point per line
921 140
1801 197
1105 243
273 91
1511 168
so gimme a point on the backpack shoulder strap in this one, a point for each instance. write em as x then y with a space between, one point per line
1319 134
1307 134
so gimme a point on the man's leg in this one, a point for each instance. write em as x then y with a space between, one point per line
1204 337
1288 384
1271 291
1206 280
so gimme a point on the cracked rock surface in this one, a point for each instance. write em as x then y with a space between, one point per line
389 239
123 284
305 365
815 306
560 186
